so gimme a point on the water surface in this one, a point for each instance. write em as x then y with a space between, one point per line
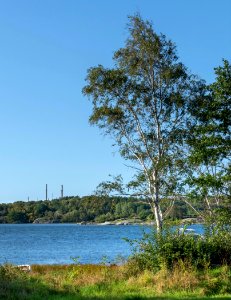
59 243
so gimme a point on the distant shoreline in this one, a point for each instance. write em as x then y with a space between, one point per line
126 222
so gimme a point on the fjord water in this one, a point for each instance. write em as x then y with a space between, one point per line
60 243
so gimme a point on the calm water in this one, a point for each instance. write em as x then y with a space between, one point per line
58 243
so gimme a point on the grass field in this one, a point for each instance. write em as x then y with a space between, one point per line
113 283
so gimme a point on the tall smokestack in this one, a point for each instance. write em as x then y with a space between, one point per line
46 191
62 191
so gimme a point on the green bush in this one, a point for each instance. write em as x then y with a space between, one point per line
155 251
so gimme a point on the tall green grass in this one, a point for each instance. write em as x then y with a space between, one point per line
114 282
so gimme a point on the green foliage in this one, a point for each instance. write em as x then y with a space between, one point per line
156 250
86 209
74 209
17 217
211 127
210 144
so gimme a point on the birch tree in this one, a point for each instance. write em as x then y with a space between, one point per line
142 104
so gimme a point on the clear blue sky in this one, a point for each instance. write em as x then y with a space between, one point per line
46 48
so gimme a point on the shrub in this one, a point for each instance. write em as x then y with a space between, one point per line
155 251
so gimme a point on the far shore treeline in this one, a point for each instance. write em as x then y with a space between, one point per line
92 208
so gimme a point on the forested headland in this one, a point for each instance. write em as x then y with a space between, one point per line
92 208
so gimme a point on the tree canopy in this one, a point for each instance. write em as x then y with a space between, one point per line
210 144
143 104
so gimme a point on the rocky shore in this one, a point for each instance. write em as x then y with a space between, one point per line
124 222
